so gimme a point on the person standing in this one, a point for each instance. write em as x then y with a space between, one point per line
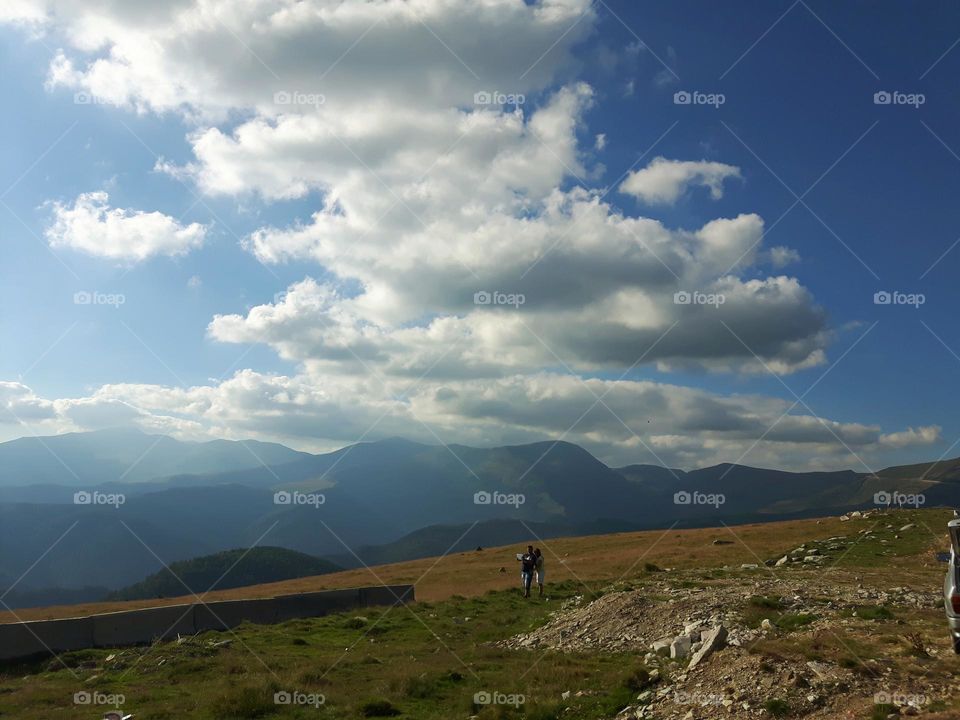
528 563
539 567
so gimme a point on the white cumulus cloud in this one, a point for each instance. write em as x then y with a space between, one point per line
92 226
663 181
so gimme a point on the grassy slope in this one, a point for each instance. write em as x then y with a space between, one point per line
596 557
427 661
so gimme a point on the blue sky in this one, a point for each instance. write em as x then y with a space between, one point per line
798 119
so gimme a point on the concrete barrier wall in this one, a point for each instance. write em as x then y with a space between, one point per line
227 614
137 626
290 607
134 627
386 595
44 636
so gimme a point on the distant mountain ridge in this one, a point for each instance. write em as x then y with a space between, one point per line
378 500
127 455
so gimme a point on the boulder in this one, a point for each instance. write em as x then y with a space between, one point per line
680 647
713 639
662 647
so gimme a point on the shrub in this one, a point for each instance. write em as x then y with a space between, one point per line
422 687
776 707
794 621
378 708
638 680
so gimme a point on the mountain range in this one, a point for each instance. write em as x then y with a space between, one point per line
105 509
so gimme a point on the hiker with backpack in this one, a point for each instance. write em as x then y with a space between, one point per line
539 568
528 563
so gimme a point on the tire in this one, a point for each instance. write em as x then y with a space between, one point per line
956 644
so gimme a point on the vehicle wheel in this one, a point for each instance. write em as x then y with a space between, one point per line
956 644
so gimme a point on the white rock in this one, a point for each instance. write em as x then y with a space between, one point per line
712 640
662 646
680 647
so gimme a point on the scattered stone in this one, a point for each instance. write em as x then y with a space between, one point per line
823 671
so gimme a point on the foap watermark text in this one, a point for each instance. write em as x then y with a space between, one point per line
95 297
695 497
496 97
485 697
695 97
895 297
297 697
297 498
95 497
683 297
899 499
482 497
895 97
295 97
85 697
484 297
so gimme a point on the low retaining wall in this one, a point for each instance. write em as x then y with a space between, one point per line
134 627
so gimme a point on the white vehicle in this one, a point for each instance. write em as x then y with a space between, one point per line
951 584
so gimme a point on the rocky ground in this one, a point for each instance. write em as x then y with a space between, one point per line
792 636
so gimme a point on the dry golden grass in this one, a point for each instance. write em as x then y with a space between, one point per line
596 557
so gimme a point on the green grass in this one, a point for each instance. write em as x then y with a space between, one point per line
869 612
867 551
880 711
790 622
425 662
759 608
